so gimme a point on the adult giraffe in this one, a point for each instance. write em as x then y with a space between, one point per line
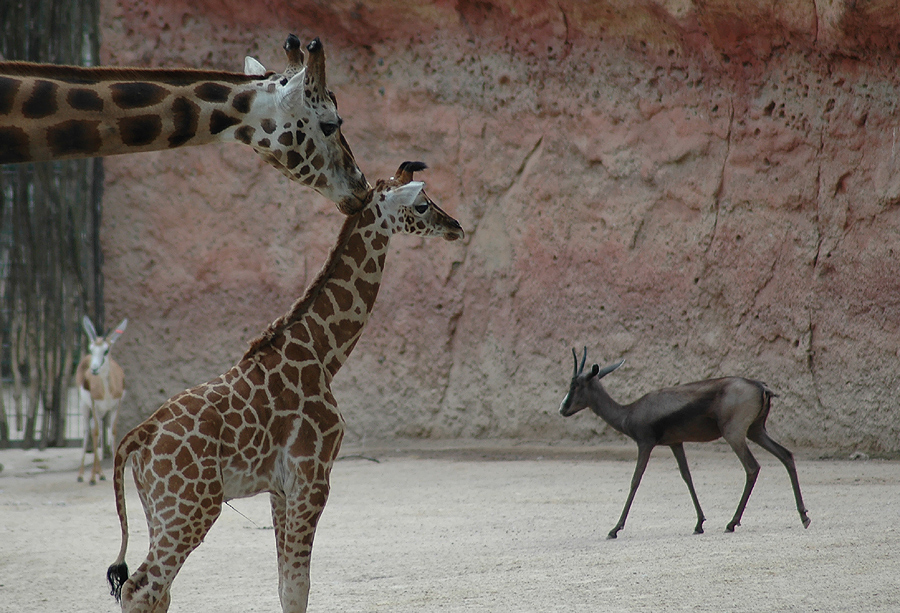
271 423
50 112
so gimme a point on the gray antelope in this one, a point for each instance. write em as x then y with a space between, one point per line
732 408
101 387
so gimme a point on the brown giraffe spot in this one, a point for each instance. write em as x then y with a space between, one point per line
245 134
245 437
286 139
184 457
83 99
293 159
140 130
213 92
291 399
322 416
268 125
371 266
162 466
291 373
367 291
343 297
219 121
166 444
264 143
176 483
74 137
260 399
191 471
186 118
305 441
323 308
331 444
234 419
8 89
256 376
321 181
310 379
243 101
42 101
241 389
318 161
298 351
137 95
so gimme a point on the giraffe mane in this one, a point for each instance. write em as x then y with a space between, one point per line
82 74
302 304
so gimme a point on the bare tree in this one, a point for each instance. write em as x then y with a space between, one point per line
50 259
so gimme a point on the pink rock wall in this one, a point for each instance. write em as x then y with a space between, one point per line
705 188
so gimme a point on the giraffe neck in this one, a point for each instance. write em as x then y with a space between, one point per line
329 318
51 112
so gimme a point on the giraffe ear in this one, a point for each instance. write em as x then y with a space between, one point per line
252 67
407 194
89 328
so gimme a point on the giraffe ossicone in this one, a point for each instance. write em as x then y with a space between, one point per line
271 423
50 112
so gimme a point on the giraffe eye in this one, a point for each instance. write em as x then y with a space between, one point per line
329 127
421 208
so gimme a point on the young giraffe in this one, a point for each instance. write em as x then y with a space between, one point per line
271 423
50 112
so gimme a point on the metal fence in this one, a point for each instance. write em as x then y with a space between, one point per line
74 427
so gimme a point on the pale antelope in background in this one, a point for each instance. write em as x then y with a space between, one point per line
101 386
732 408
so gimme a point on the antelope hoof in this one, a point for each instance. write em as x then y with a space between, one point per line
730 527
612 534
806 521
698 530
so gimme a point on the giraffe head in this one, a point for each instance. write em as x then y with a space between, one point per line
407 209
301 128
101 346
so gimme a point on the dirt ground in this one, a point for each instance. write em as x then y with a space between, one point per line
515 529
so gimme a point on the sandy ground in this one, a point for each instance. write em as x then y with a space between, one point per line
515 529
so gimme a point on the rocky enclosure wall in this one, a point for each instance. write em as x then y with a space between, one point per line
704 188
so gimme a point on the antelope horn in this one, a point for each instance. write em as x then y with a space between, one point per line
583 360
575 357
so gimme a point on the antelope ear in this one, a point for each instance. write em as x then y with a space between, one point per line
594 370
252 67
117 332
406 195
610 368
89 328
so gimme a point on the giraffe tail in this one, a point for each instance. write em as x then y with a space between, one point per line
117 573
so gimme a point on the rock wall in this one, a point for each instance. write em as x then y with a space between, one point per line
704 188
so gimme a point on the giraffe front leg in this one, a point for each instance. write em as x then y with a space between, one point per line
295 521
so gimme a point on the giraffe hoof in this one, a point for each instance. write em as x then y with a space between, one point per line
92 482
102 477
80 479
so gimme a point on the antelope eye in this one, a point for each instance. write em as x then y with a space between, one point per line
328 128
421 208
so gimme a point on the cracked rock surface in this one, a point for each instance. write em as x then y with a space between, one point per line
704 189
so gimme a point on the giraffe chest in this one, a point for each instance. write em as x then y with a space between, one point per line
281 450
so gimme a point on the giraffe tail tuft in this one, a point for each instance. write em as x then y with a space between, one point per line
117 575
